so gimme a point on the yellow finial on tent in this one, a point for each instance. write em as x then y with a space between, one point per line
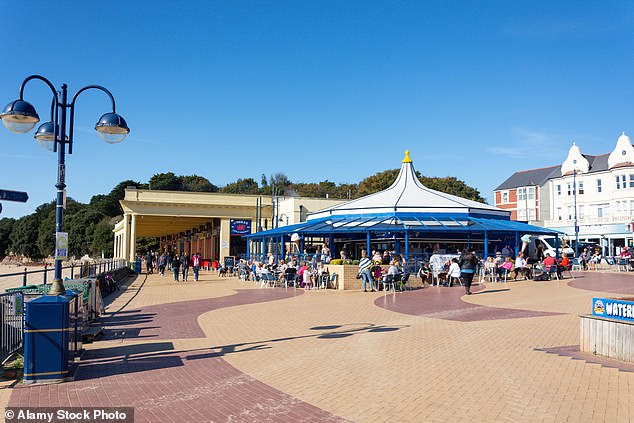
407 159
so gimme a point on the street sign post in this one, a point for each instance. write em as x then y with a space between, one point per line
8 195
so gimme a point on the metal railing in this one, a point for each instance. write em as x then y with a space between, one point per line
79 270
11 324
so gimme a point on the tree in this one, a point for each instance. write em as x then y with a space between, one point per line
166 181
103 238
197 183
6 225
23 238
241 186
377 182
454 186
263 181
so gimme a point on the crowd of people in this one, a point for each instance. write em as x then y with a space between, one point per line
178 264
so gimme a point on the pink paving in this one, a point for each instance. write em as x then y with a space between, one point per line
446 303
618 283
164 385
180 320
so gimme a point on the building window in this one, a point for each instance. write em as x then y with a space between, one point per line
570 212
521 194
521 214
603 210
505 197
558 189
531 193
580 187
558 213
618 182
631 207
598 185
581 212
569 188
621 181
531 214
631 180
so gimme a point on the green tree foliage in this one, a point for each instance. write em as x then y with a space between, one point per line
241 186
23 238
6 225
103 238
454 186
165 181
195 183
377 182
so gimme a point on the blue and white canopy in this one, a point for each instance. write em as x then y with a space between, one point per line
410 210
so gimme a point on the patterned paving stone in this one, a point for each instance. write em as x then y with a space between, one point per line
613 282
446 303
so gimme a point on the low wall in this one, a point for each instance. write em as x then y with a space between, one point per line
607 337
347 276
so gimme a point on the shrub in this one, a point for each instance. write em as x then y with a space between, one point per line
355 262
336 262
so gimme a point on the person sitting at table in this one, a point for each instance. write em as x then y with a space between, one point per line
453 272
520 267
377 273
300 272
549 261
506 267
376 257
564 264
424 273
386 258
490 269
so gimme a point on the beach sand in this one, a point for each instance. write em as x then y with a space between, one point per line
31 279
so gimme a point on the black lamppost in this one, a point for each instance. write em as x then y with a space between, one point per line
20 117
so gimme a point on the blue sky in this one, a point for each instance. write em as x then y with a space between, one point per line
318 90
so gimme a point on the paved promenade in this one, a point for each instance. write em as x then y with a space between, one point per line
221 350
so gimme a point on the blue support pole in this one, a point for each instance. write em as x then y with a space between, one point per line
367 243
283 247
517 242
557 246
486 244
248 249
406 245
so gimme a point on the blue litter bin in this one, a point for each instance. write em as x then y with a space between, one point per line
137 267
46 339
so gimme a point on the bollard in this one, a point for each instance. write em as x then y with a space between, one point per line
45 266
24 278
72 270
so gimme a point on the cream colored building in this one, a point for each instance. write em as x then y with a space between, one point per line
209 223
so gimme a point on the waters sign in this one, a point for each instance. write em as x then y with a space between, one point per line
240 227
61 245
614 309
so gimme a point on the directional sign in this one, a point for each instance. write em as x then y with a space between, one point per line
19 196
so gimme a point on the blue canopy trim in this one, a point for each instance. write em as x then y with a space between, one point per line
426 223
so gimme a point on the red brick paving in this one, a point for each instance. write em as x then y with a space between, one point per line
618 283
180 320
446 303
164 385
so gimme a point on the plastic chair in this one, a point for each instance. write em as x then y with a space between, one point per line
576 264
333 280
621 263
552 270
403 283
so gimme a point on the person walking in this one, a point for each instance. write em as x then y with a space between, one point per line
365 264
468 263
149 258
161 264
196 265
176 263
185 266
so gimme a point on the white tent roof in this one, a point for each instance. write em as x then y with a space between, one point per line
408 195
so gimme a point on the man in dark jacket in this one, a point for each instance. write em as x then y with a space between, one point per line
468 263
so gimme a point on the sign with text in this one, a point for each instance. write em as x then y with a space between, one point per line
240 227
61 245
8 195
613 308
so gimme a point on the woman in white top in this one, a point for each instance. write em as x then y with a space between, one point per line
308 278
453 272
520 266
